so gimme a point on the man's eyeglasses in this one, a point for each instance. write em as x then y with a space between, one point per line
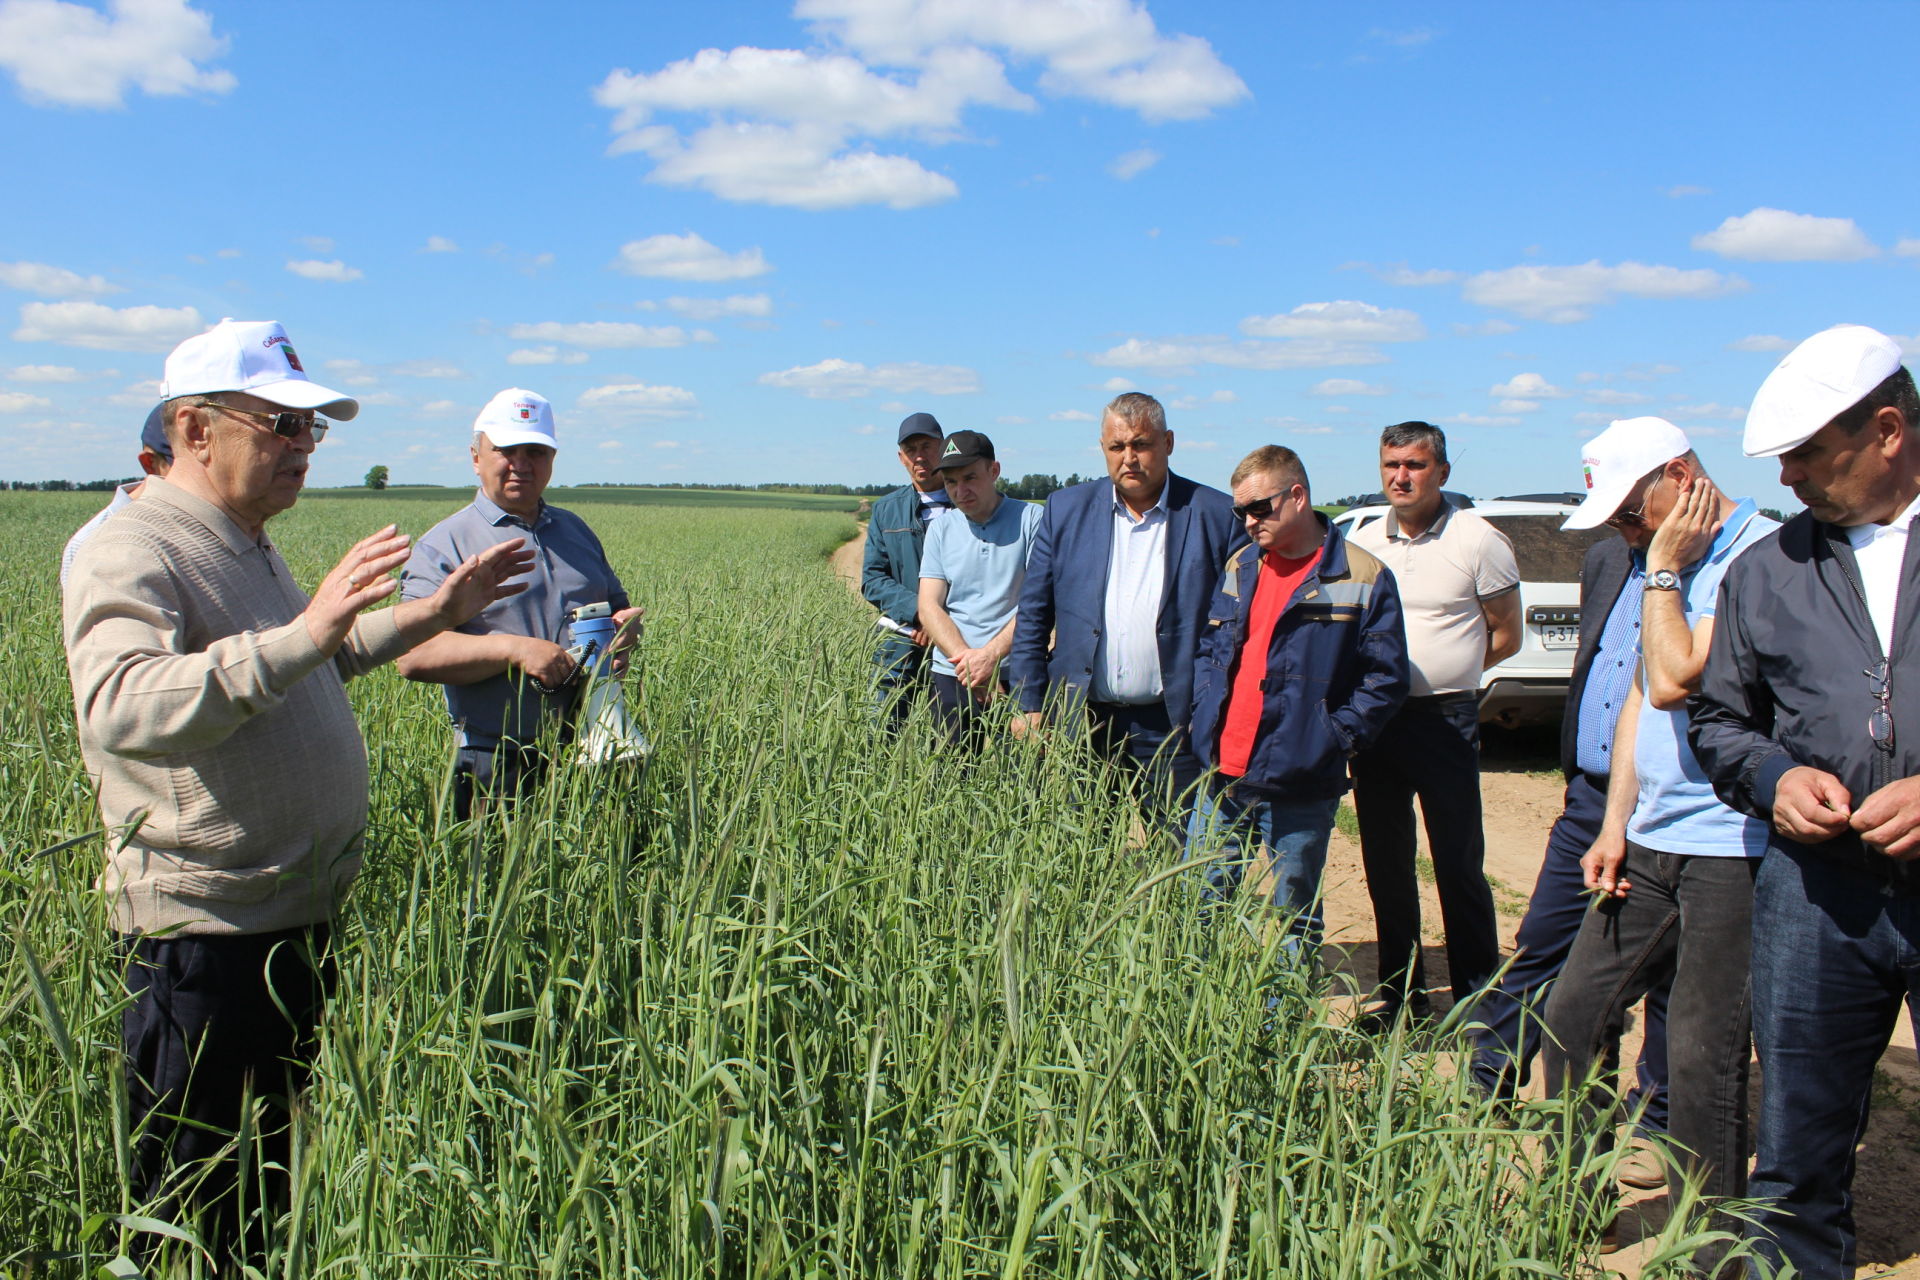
286 425
1260 508
1880 719
1634 518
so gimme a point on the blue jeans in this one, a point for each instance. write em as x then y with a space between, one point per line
1513 1014
1834 954
1291 835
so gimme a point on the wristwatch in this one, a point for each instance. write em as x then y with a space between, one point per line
1663 580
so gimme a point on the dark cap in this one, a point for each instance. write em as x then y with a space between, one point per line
919 424
153 435
965 448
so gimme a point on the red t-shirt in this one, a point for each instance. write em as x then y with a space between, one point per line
1277 582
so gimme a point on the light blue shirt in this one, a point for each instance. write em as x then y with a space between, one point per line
1676 811
1127 666
983 566
1610 676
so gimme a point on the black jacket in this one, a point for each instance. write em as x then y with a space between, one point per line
1786 680
1602 575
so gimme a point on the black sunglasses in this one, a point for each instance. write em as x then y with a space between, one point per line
286 425
1260 508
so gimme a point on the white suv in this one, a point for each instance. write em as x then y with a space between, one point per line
1531 686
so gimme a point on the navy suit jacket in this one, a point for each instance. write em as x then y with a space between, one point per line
1602 575
1064 598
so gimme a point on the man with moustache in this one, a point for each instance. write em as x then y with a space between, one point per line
1808 718
1116 596
210 702
890 567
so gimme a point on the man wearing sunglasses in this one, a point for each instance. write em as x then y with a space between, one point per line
1673 866
1115 597
212 712
1808 718
506 673
1303 662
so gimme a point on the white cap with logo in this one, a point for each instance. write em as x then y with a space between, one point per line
253 356
1819 380
1617 459
517 416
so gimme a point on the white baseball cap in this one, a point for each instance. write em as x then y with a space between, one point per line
1617 459
1819 380
253 356
517 416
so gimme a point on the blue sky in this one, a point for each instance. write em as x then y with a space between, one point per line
739 242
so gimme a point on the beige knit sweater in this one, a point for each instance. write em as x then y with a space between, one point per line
203 705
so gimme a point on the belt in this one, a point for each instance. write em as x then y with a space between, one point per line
1441 699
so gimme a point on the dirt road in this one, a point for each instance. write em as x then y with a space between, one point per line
1520 788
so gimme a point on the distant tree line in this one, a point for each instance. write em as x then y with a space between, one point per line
68 486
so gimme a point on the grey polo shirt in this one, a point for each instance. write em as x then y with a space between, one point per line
570 569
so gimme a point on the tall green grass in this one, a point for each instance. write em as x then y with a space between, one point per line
792 1001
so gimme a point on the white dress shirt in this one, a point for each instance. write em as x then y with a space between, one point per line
1127 666
1880 549
122 495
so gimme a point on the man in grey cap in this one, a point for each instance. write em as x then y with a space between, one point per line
1798 722
890 569
156 456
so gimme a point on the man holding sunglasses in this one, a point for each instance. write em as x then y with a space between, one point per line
209 695
1302 662
1673 867
1808 719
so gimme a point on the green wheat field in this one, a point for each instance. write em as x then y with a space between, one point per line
793 1001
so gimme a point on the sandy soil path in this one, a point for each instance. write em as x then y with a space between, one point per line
1520 791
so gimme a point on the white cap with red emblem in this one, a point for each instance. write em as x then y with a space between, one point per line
517 416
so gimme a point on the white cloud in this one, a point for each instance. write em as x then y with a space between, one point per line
1346 387
1590 418
1723 412
314 269
226 253
1130 165
437 407
45 373
53 282
1528 386
545 355
137 395
1476 420
1343 321
1517 406
749 305
1485 329
73 55
837 379
639 400
688 257
601 335
1760 342
317 244
1401 274
1775 235
1909 345
102 328
439 244
21 402
797 128
866 429
666 444
1562 295
1071 415
427 369
1173 355
1117 385
1610 395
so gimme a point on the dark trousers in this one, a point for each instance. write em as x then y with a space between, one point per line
903 680
215 1019
1834 954
1157 754
964 717
1687 920
503 774
1430 749
1512 1013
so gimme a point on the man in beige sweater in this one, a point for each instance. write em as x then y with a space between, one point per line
210 700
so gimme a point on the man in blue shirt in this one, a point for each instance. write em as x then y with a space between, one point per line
499 667
970 576
1673 867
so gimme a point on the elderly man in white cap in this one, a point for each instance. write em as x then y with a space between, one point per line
1809 719
1673 865
210 701
506 672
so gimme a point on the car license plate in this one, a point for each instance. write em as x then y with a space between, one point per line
1560 637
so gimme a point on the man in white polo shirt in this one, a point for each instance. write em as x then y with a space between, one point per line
1459 591
1673 865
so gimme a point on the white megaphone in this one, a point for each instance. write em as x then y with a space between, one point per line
606 733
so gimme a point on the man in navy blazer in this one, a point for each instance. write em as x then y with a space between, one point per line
1116 596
